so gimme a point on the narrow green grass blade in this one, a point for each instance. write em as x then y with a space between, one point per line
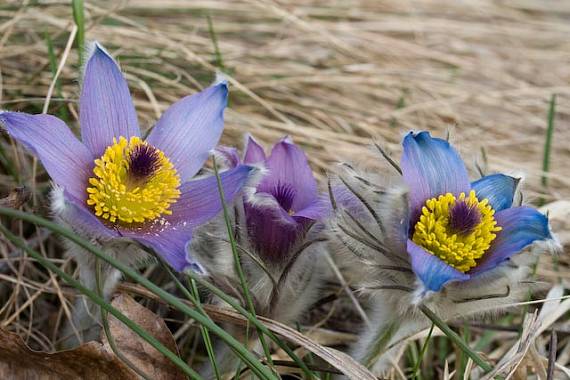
79 19
107 328
194 297
237 261
378 346
452 335
205 333
253 320
548 144
415 371
462 360
219 61
99 301
257 367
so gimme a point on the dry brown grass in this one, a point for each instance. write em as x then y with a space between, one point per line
332 74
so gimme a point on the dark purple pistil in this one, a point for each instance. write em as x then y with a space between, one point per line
284 194
144 161
463 218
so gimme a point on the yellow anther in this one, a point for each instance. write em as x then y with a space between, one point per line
461 249
133 182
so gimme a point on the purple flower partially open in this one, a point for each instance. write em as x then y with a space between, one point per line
286 202
120 185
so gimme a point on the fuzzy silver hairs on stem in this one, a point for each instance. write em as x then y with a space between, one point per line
278 231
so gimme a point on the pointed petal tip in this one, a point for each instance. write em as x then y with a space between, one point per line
253 152
287 140
221 80
431 167
93 49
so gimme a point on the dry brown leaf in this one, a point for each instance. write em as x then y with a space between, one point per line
89 361
350 367
140 353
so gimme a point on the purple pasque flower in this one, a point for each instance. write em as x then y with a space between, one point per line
442 228
286 202
118 185
460 229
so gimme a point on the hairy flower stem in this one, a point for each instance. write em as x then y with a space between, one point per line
237 261
381 340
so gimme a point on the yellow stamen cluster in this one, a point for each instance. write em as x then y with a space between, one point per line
119 196
460 250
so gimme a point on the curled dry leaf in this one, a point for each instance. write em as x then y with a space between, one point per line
141 354
89 361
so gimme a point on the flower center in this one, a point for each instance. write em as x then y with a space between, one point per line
133 182
457 230
284 194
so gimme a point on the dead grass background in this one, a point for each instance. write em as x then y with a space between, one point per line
334 75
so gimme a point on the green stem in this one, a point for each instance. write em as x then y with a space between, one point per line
205 334
194 297
253 320
381 340
217 52
257 367
452 335
107 328
422 352
237 261
548 140
100 301
79 19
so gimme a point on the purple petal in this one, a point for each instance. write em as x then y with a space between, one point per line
288 165
78 215
254 152
521 227
432 272
106 109
172 246
65 158
499 189
271 232
229 155
198 203
431 167
315 210
200 200
191 128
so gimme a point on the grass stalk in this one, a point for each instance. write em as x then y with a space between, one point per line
415 371
452 335
237 261
93 296
253 320
256 366
194 297
548 145
79 19
107 328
